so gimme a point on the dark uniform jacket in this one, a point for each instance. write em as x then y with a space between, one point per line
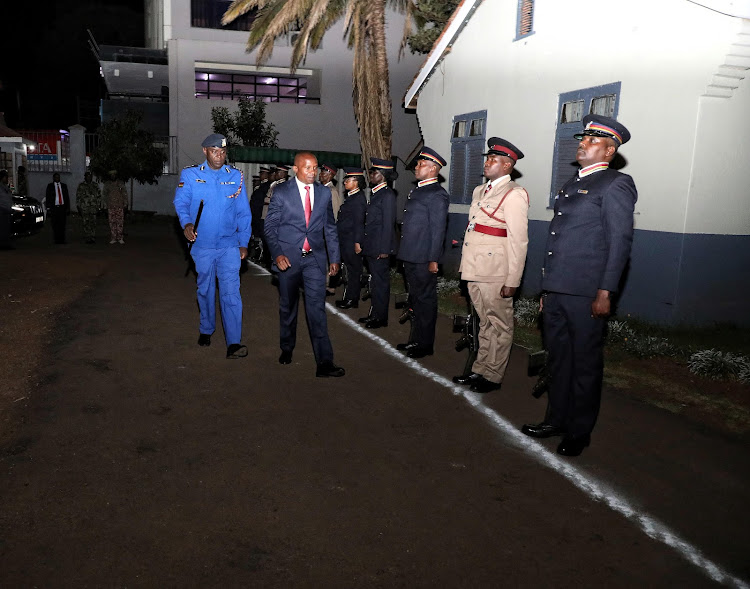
256 204
590 234
424 224
380 226
351 220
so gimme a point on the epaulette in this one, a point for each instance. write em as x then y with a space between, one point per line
193 166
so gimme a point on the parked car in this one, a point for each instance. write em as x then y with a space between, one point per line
28 215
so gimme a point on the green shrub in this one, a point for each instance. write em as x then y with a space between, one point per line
526 312
715 364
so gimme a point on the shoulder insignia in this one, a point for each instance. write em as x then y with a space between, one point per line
200 180
180 185
193 166
202 167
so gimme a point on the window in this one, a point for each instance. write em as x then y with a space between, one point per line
525 21
573 106
467 164
207 14
263 88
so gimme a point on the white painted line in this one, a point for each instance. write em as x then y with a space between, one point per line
594 488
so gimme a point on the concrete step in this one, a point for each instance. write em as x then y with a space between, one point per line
738 60
718 91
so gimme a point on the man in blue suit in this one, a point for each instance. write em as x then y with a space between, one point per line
302 239
588 247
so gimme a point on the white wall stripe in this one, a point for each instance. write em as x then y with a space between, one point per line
587 483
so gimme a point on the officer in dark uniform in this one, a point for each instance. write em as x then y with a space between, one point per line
423 233
351 229
587 249
221 240
257 199
380 238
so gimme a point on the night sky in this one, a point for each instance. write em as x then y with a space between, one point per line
48 69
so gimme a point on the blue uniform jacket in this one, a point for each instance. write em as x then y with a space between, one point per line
351 221
424 224
380 226
285 227
590 234
226 218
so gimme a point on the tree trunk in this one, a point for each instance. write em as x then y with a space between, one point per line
372 97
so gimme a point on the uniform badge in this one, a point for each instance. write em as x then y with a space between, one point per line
583 192
180 185
199 180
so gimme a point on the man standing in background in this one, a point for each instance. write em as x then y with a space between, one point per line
57 201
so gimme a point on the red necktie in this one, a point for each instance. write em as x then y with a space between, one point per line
489 187
59 195
308 212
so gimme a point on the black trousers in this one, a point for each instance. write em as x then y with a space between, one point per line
6 219
575 343
58 217
353 263
380 287
422 286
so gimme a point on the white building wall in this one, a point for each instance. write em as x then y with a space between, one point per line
664 54
329 126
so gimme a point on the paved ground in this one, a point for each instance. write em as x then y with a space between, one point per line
138 459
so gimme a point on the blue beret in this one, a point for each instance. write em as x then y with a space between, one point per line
500 146
214 140
430 154
601 126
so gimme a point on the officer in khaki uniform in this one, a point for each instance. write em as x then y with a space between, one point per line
492 262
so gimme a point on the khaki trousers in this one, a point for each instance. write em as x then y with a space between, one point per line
495 329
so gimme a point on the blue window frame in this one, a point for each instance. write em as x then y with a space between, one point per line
525 19
572 107
467 164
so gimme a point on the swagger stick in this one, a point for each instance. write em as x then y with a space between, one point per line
195 229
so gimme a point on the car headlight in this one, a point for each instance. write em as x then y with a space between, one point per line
17 208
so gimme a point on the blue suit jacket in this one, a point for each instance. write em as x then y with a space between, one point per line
590 235
285 227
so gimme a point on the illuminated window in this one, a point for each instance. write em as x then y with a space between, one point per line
265 88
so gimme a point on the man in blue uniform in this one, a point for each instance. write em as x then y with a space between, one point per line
351 229
304 245
422 236
220 244
587 249
380 238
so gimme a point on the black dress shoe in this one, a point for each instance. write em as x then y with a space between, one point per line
364 319
235 351
482 385
286 357
347 304
330 292
571 446
375 323
419 352
467 378
406 347
204 339
543 430
329 369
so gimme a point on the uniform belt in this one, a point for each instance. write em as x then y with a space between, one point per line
307 253
487 230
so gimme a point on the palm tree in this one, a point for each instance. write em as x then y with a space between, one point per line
364 23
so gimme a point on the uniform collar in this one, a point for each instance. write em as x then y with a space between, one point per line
426 182
593 168
379 186
352 192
